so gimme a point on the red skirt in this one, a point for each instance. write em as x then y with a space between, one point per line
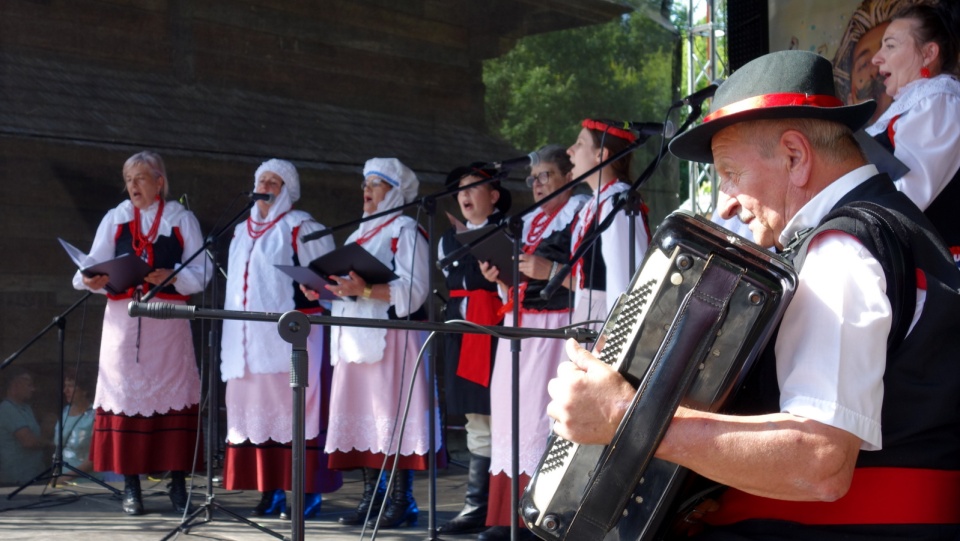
268 466
354 459
500 511
131 445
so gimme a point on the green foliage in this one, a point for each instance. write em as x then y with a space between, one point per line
540 91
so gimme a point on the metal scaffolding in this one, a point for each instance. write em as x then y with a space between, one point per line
705 63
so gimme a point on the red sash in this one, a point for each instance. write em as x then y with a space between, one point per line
876 496
482 308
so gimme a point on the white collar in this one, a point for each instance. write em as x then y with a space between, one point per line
815 209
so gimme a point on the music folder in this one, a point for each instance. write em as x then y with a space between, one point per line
309 277
125 271
497 250
353 257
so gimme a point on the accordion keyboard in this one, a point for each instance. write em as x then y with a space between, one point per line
623 323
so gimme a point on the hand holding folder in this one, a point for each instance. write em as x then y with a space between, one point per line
125 271
339 262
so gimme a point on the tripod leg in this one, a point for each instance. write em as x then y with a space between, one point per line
91 478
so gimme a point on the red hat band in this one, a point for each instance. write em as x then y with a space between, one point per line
784 99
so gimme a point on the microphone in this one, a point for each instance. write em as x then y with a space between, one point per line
515 163
647 129
697 97
554 284
254 196
161 310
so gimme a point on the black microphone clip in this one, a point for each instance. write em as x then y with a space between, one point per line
255 196
698 97
515 163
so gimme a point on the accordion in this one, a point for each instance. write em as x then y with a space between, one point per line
697 313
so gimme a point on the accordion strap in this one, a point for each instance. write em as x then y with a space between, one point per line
671 372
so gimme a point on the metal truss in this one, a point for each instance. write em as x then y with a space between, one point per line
706 62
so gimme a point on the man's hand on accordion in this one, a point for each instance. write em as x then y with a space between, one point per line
588 398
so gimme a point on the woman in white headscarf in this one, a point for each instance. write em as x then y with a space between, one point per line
373 368
255 360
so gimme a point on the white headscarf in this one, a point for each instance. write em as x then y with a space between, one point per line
289 192
404 185
359 344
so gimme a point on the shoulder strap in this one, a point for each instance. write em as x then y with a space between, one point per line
882 232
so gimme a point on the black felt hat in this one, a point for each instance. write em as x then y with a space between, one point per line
784 84
478 169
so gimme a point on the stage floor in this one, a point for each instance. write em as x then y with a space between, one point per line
87 512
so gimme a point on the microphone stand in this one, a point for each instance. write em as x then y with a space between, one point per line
514 230
56 469
213 408
428 203
291 327
629 200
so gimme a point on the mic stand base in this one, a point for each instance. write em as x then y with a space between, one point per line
56 469
207 510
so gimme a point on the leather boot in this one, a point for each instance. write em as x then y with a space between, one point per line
374 491
178 491
132 499
271 502
401 507
473 516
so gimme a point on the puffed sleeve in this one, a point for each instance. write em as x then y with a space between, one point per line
409 291
103 248
616 254
927 140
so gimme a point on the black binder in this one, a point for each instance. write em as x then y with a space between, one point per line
309 278
125 271
353 257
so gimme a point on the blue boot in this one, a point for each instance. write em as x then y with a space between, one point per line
271 502
311 506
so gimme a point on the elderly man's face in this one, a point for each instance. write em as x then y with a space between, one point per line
865 80
752 186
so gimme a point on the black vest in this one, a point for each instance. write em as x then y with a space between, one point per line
167 254
921 404
464 273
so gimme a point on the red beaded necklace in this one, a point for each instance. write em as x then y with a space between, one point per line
537 227
370 234
257 229
141 242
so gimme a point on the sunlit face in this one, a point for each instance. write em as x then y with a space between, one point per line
865 81
752 187
900 58
269 182
374 191
548 179
143 186
584 154
478 201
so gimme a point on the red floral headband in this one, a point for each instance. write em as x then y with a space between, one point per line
607 128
